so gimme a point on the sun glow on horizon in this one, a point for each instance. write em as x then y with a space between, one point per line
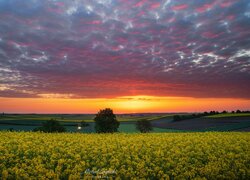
124 104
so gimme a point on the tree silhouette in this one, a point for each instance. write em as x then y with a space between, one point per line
144 126
238 111
106 122
51 126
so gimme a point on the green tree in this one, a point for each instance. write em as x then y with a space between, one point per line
51 126
106 122
144 126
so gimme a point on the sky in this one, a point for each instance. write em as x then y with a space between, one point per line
73 56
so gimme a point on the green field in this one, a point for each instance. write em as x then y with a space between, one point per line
130 128
230 127
77 118
45 117
28 122
229 115
31 121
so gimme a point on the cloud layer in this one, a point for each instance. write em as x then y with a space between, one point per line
112 48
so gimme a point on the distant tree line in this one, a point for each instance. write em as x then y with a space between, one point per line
198 115
239 111
192 116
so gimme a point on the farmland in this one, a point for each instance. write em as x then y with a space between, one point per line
160 122
30 121
211 155
186 149
207 124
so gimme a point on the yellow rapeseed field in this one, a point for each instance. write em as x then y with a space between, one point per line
213 155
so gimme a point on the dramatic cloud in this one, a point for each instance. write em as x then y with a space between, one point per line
112 48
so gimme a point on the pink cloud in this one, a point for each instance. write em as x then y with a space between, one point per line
140 3
205 7
226 4
155 5
179 7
